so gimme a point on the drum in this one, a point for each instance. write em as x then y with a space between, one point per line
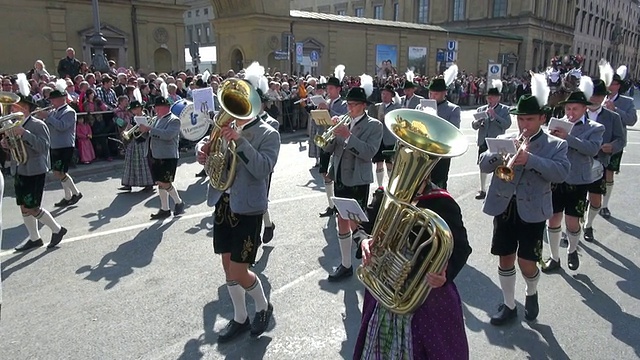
194 125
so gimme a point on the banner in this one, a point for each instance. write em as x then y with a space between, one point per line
386 60
417 60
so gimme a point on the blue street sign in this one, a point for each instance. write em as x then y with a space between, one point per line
452 45
451 56
494 69
440 55
313 56
299 47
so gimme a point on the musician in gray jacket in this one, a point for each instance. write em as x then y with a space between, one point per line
238 219
388 143
30 176
163 142
623 106
450 112
353 148
569 197
62 127
613 141
494 120
521 206
410 100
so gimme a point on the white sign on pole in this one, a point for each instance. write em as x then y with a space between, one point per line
494 72
452 45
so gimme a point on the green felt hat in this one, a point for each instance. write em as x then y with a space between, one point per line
528 105
576 97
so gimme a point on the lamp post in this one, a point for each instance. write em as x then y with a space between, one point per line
98 41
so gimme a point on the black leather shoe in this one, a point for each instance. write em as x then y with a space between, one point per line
161 214
573 260
56 238
75 198
28 245
178 209
341 273
481 195
233 330
358 250
531 307
605 213
261 321
268 233
124 188
551 266
504 315
329 211
62 203
588 234
147 189
202 173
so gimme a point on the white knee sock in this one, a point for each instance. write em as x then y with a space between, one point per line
236 292
380 177
591 215
483 181
345 248
532 283
45 217
553 234
257 293
164 199
574 239
66 188
266 219
328 188
174 194
607 196
72 186
508 285
31 223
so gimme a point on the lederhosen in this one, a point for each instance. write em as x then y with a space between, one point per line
359 193
163 170
569 198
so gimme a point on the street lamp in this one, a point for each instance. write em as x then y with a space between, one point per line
98 42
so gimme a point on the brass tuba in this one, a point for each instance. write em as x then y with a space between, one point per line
238 100
9 121
408 242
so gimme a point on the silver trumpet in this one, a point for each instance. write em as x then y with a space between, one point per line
329 134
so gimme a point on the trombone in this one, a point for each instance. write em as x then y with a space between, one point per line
324 139
505 171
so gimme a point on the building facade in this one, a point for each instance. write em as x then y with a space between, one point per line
145 34
198 22
609 30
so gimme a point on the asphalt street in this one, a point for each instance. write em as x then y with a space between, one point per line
123 287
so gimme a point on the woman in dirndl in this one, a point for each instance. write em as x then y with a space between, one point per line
137 171
436 329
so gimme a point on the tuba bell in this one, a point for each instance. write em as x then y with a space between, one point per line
8 121
408 242
238 100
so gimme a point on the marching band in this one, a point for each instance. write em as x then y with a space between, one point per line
564 172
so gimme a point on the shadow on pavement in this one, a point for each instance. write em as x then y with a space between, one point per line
7 271
628 271
120 206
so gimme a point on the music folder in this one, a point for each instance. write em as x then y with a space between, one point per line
501 146
349 209
321 117
480 115
141 120
429 103
556 123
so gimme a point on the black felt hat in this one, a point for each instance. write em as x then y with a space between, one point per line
576 97
599 88
409 85
263 97
528 105
333 81
201 84
135 104
57 94
27 100
160 101
617 78
437 84
493 91
358 94
389 88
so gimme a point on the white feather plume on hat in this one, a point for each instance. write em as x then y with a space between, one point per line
586 86
137 95
497 83
366 82
338 72
61 85
409 75
450 74
23 84
322 80
263 84
606 72
253 73
539 88
163 90
622 71
205 76
396 98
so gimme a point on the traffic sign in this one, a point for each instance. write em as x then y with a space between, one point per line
452 45
314 64
314 56
494 69
281 55
451 56
299 47
440 55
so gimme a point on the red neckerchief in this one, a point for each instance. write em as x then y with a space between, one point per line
434 194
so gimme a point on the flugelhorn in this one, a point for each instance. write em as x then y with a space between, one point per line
134 131
39 110
329 134
505 171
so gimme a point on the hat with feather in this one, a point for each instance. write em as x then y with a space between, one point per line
496 88
322 83
338 75
203 82
161 100
24 92
254 74
534 104
582 95
621 74
60 89
441 84
137 102
408 82
362 93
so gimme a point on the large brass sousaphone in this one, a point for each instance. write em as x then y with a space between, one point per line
238 100
8 121
408 242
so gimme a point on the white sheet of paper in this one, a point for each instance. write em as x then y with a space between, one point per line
556 123
480 116
429 103
203 100
317 100
141 120
501 146
350 209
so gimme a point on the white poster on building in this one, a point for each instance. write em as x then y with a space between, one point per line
494 71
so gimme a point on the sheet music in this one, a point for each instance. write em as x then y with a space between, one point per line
321 117
480 116
429 103
556 123
203 100
141 120
501 146
350 209
317 100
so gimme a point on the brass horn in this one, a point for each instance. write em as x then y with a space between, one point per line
329 134
408 242
9 121
505 171
238 100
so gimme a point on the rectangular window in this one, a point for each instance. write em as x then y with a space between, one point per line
396 11
190 31
205 11
199 34
359 12
341 12
458 9
188 13
208 33
423 12
198 12
499 8
377 12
